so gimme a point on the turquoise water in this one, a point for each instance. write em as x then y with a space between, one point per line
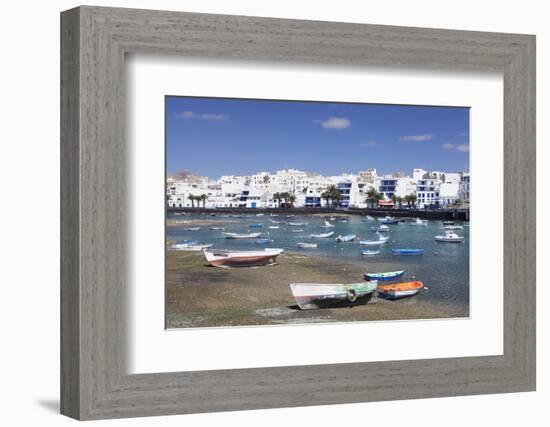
444 267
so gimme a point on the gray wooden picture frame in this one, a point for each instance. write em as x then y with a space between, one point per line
94 381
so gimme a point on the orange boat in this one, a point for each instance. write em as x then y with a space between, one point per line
399 290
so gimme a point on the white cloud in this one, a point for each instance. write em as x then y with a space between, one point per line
417 138
368 144
335 123
463 148
202 116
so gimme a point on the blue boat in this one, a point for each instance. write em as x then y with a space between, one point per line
389 275
263 241
408 251
256 225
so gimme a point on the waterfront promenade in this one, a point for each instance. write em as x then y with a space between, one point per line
462 214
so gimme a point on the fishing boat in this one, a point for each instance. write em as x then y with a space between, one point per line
407 251
448 223
194 247
297 224
274 227
388 220
307 245
263 241
453 227
276 222
346 238
328 224
450 236
399 290
256 225
368 218
298 230
242 236
381 228
388 275
369 252
192 228
233 259
381 240
322 235
316 295
259 214
418 221
217 228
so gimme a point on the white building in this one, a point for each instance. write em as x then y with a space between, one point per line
258 190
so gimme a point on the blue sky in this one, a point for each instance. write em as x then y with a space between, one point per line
214 137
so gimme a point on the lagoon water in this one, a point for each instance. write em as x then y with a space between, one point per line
444 267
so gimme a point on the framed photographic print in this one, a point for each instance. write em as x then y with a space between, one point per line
262 213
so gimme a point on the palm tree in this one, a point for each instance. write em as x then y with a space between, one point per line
373 197
291 199
399 200
192 198
285 196
333 194
203 198
410 199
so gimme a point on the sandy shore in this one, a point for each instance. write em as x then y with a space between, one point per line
198 295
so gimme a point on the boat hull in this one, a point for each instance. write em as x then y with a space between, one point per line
399 290
315 296
410 252
243 259
384 276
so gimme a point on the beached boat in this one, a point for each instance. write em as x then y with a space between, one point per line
242 236
407 251
232 259
450 236
307 245
388 275
418 221
328 225
192 228
316 295
193 247
399 290
263 241
217 228
381 240
274 227
381 228
346 238
322 235
453 227
256 225
369 252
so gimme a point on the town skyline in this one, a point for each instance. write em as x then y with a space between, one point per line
216 137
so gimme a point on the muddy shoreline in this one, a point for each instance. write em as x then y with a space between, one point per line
198 295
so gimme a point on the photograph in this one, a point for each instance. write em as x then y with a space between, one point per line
282 212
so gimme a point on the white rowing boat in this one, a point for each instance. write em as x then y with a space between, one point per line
233 259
